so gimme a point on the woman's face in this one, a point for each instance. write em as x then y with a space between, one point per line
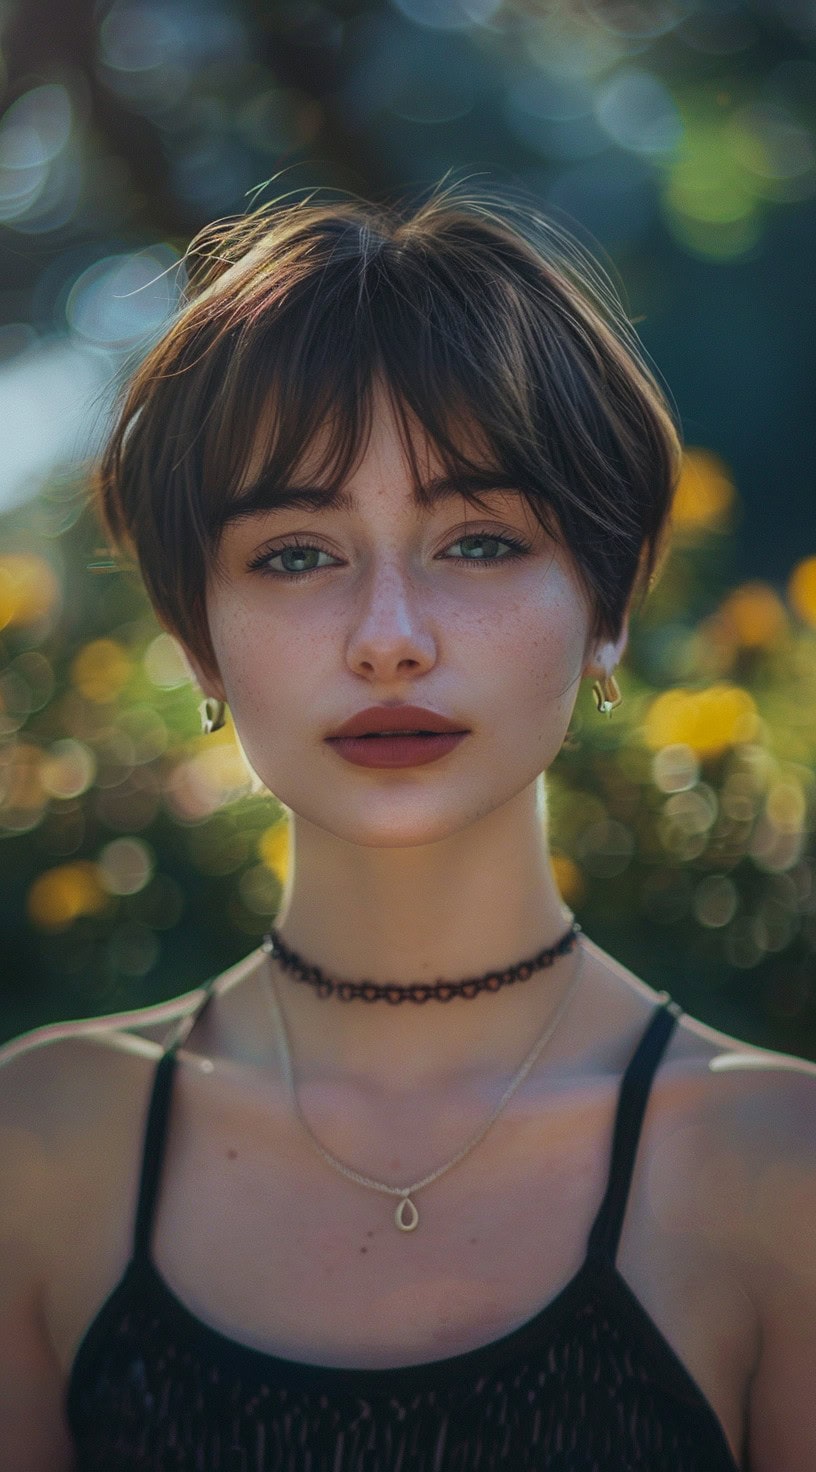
382 602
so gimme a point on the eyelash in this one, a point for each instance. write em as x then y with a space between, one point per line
260 563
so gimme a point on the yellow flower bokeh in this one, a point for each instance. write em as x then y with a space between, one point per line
101 670
753 616
58 896
709 720
28 589
705 494
274 848
568 878
802 590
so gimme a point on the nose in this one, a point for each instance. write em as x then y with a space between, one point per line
392 633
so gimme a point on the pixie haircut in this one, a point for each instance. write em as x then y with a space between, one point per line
475 315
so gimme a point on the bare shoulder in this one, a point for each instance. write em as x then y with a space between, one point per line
713 1054
758 1181
763 1103
748 1091
71 1096
67 1098
748 1137
33 1433
58 1089
64 1086
737 1127
726 1054
59 1084
745 1152
47 1042
68 1093
750 1102
119 1029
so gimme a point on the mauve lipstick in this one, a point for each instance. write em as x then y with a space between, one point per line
422 736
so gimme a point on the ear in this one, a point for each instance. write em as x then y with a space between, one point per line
606 655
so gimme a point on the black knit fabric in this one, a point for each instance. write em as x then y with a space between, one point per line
589 1384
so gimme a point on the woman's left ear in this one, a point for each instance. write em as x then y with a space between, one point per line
607 655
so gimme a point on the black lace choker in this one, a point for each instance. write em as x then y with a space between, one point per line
438 991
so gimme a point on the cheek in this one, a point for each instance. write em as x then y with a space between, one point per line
273 672
542 642
529 646
246 649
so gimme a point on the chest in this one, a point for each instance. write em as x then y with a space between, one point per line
260 1238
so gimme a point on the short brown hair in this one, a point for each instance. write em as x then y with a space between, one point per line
472 312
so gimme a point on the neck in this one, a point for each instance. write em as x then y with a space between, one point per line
482 899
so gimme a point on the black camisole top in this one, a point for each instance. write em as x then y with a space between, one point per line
588 1384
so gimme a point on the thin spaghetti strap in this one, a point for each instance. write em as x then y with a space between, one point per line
632 1100
156 1126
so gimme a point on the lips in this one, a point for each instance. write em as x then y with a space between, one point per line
397 720
392 735
402 750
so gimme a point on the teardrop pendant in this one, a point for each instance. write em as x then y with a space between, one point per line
412 1218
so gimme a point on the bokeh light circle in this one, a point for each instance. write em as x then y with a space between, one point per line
715 900
126 865
68 768
121 299
165 664
675 767
447 15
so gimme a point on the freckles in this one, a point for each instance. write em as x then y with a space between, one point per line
550 646
244 636
230 630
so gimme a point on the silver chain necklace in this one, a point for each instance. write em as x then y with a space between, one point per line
406 1215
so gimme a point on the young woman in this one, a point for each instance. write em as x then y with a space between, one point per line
428 1182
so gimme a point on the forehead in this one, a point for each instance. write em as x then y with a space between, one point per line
393 450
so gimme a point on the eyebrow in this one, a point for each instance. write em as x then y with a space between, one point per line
266 495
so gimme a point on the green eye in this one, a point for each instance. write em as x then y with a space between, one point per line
488 539
295 551
300 554
486 545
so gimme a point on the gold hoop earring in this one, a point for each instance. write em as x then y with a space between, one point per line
607 694
213 715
